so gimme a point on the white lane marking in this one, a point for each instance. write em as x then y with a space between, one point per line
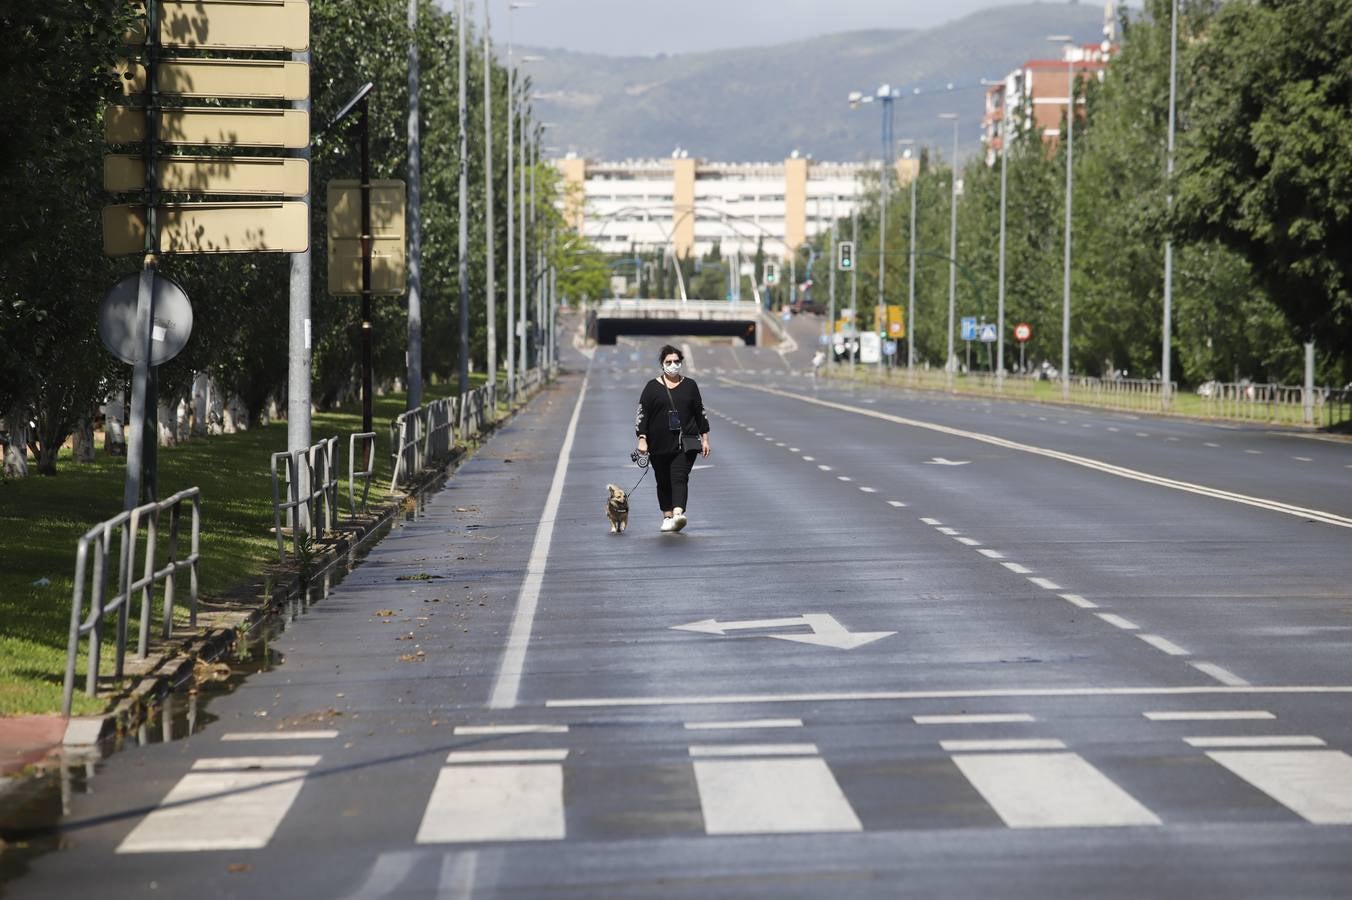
1079 601
897 503
468 757
948 531
929 521
1002 745
744 723
224 763
1314 784
459 876
760 434
279 735
1173 439
973 719
1051 790
1326 518
511 729
699 751
1117 621
868 490
1209 444
855 696
1302 459
809 459
1143 434
1164 645
494 803
213 810
1209 715
844 478
1045 583
1254 452
744 796
992 554
969 542
781 443
793 449
1017 569
1224 676
1113 428
824 468
1256 740
507 685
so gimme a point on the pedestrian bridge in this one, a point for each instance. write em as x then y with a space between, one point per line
613 318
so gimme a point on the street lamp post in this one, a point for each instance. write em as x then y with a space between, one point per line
359 103
885 95
462 245
1070 194
910 275
952 250
1000 296
490 235
1166 386
511 205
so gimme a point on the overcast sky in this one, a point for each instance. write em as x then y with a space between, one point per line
644 27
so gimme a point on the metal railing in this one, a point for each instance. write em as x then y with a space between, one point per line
476 408
136 530
1277 403
311 484
368 443
419 437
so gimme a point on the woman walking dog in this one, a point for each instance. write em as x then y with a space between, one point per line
670 417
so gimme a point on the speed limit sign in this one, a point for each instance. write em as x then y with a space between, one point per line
1023 332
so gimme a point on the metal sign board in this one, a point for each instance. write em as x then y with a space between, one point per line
969 328
211 228
889 348
387 208
1023 332
236 79
389 266
211 175
170 327
988 334
870 347
229 25
281 129
896 322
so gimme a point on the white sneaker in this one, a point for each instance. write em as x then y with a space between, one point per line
678 521
668 525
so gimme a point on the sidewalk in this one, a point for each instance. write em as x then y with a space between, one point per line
25 740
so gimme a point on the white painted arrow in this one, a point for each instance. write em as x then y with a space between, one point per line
940 461
826 631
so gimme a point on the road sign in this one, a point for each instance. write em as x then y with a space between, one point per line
889 348
845 256
896 322
870 347
826 631
170 329
273 176
1023 332
235 79
210 228
389 265
969 327
229 25
280 129
988 334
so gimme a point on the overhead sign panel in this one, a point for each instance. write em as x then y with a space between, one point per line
229 25
210 228
280 129
234 79
211 175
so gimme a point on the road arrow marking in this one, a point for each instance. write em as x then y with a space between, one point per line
826 631
940 461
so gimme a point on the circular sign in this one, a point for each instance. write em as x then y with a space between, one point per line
169 330
1022 332
890 348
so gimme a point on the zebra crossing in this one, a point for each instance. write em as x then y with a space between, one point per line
525 783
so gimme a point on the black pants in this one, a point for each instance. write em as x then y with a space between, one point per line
672 472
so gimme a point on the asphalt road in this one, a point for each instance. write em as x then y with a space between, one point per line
908 645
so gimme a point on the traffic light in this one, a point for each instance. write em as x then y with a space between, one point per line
845 256
772 273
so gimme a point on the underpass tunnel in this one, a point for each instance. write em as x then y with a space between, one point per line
608 329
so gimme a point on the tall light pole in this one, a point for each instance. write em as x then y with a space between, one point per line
511 204
414 214
831 320
910 274
885 95
952 250
462 243
1070 194
490 235
854 286
1166 386
1000 295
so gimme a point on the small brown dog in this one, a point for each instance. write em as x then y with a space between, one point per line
617 508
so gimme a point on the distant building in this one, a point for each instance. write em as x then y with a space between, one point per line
690 204
1033 98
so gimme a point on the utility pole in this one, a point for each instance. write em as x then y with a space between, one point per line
462 245
511 214
831 320
525 245
1000 295
490 233
952 252
910 283
854 288
298 388
1166 354
414 216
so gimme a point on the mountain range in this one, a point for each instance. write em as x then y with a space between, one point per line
762 103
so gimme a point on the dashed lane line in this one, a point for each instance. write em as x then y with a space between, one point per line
1164 645
1117 621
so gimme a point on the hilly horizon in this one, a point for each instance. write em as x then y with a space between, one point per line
763 103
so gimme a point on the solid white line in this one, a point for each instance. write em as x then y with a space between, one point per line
1314 784
745 796
217 811
853 696
1009 744
511 729
1079 601
279 735
1163 644
464 757
507 685
929 521
1207 715
973 719
1017 569
745 723
1256 740
992 554
224 763
494 803
1051 790
706 750
970 542
1224 676
1118 622
1326 518
1045 584
897 503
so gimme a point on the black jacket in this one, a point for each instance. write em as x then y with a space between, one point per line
654 406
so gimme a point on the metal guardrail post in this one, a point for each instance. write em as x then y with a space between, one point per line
368 439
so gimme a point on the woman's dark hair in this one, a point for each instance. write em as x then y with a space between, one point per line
667 351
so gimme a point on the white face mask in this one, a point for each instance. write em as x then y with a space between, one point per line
672 368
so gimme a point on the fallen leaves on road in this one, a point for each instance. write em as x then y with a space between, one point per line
421 576
384 613
414 657
239 867
405 637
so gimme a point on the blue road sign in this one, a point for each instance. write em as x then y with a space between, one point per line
988 335
969 328
889 348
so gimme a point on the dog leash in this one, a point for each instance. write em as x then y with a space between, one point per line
640 460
